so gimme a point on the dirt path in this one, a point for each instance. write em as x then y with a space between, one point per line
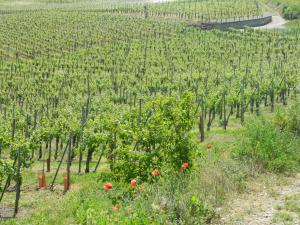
277 23
277 20
269 201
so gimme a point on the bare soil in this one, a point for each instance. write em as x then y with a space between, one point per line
265 203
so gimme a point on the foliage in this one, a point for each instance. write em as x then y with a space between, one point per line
6 168
160 137
289 119
178 9
265 144
294 118
290 8
172 198
82 73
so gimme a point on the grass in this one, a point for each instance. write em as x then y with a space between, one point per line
284 217
33 199
292 203
290 8
294 24
289 211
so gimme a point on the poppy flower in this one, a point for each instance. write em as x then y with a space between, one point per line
155 172
116 207
132 183
107 186
209 146
185 166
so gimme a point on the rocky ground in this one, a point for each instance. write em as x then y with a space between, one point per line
270 200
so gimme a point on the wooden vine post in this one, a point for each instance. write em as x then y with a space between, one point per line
18 183
145 12
100 157
60 162
68 175
81 150
201 121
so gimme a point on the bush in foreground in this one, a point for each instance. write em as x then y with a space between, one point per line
270 147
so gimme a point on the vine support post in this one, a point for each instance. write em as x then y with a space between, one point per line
66 147
257 107
145 12
242 113
56 147
98 162
69 165
18 183
80 161
49 156
201 128
140 112
224 112
201 123
13 129
272 100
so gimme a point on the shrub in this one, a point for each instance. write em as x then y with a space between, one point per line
163 137
173 199
289 120
290 13
266 145
290 8
294 119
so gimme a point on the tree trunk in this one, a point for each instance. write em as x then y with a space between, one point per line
40 152
88 160
56 147
49 157
224 113
201 127
80 161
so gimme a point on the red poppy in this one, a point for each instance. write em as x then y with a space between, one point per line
185 166
155 172
209 146
116 207
132 183
107 186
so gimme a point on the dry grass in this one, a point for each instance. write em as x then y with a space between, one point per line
264 203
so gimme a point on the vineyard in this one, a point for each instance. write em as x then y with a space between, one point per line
124 94
179 9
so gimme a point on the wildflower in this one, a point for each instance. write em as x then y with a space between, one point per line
132 183
155 172
209 146
116 207
185 166
107 186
